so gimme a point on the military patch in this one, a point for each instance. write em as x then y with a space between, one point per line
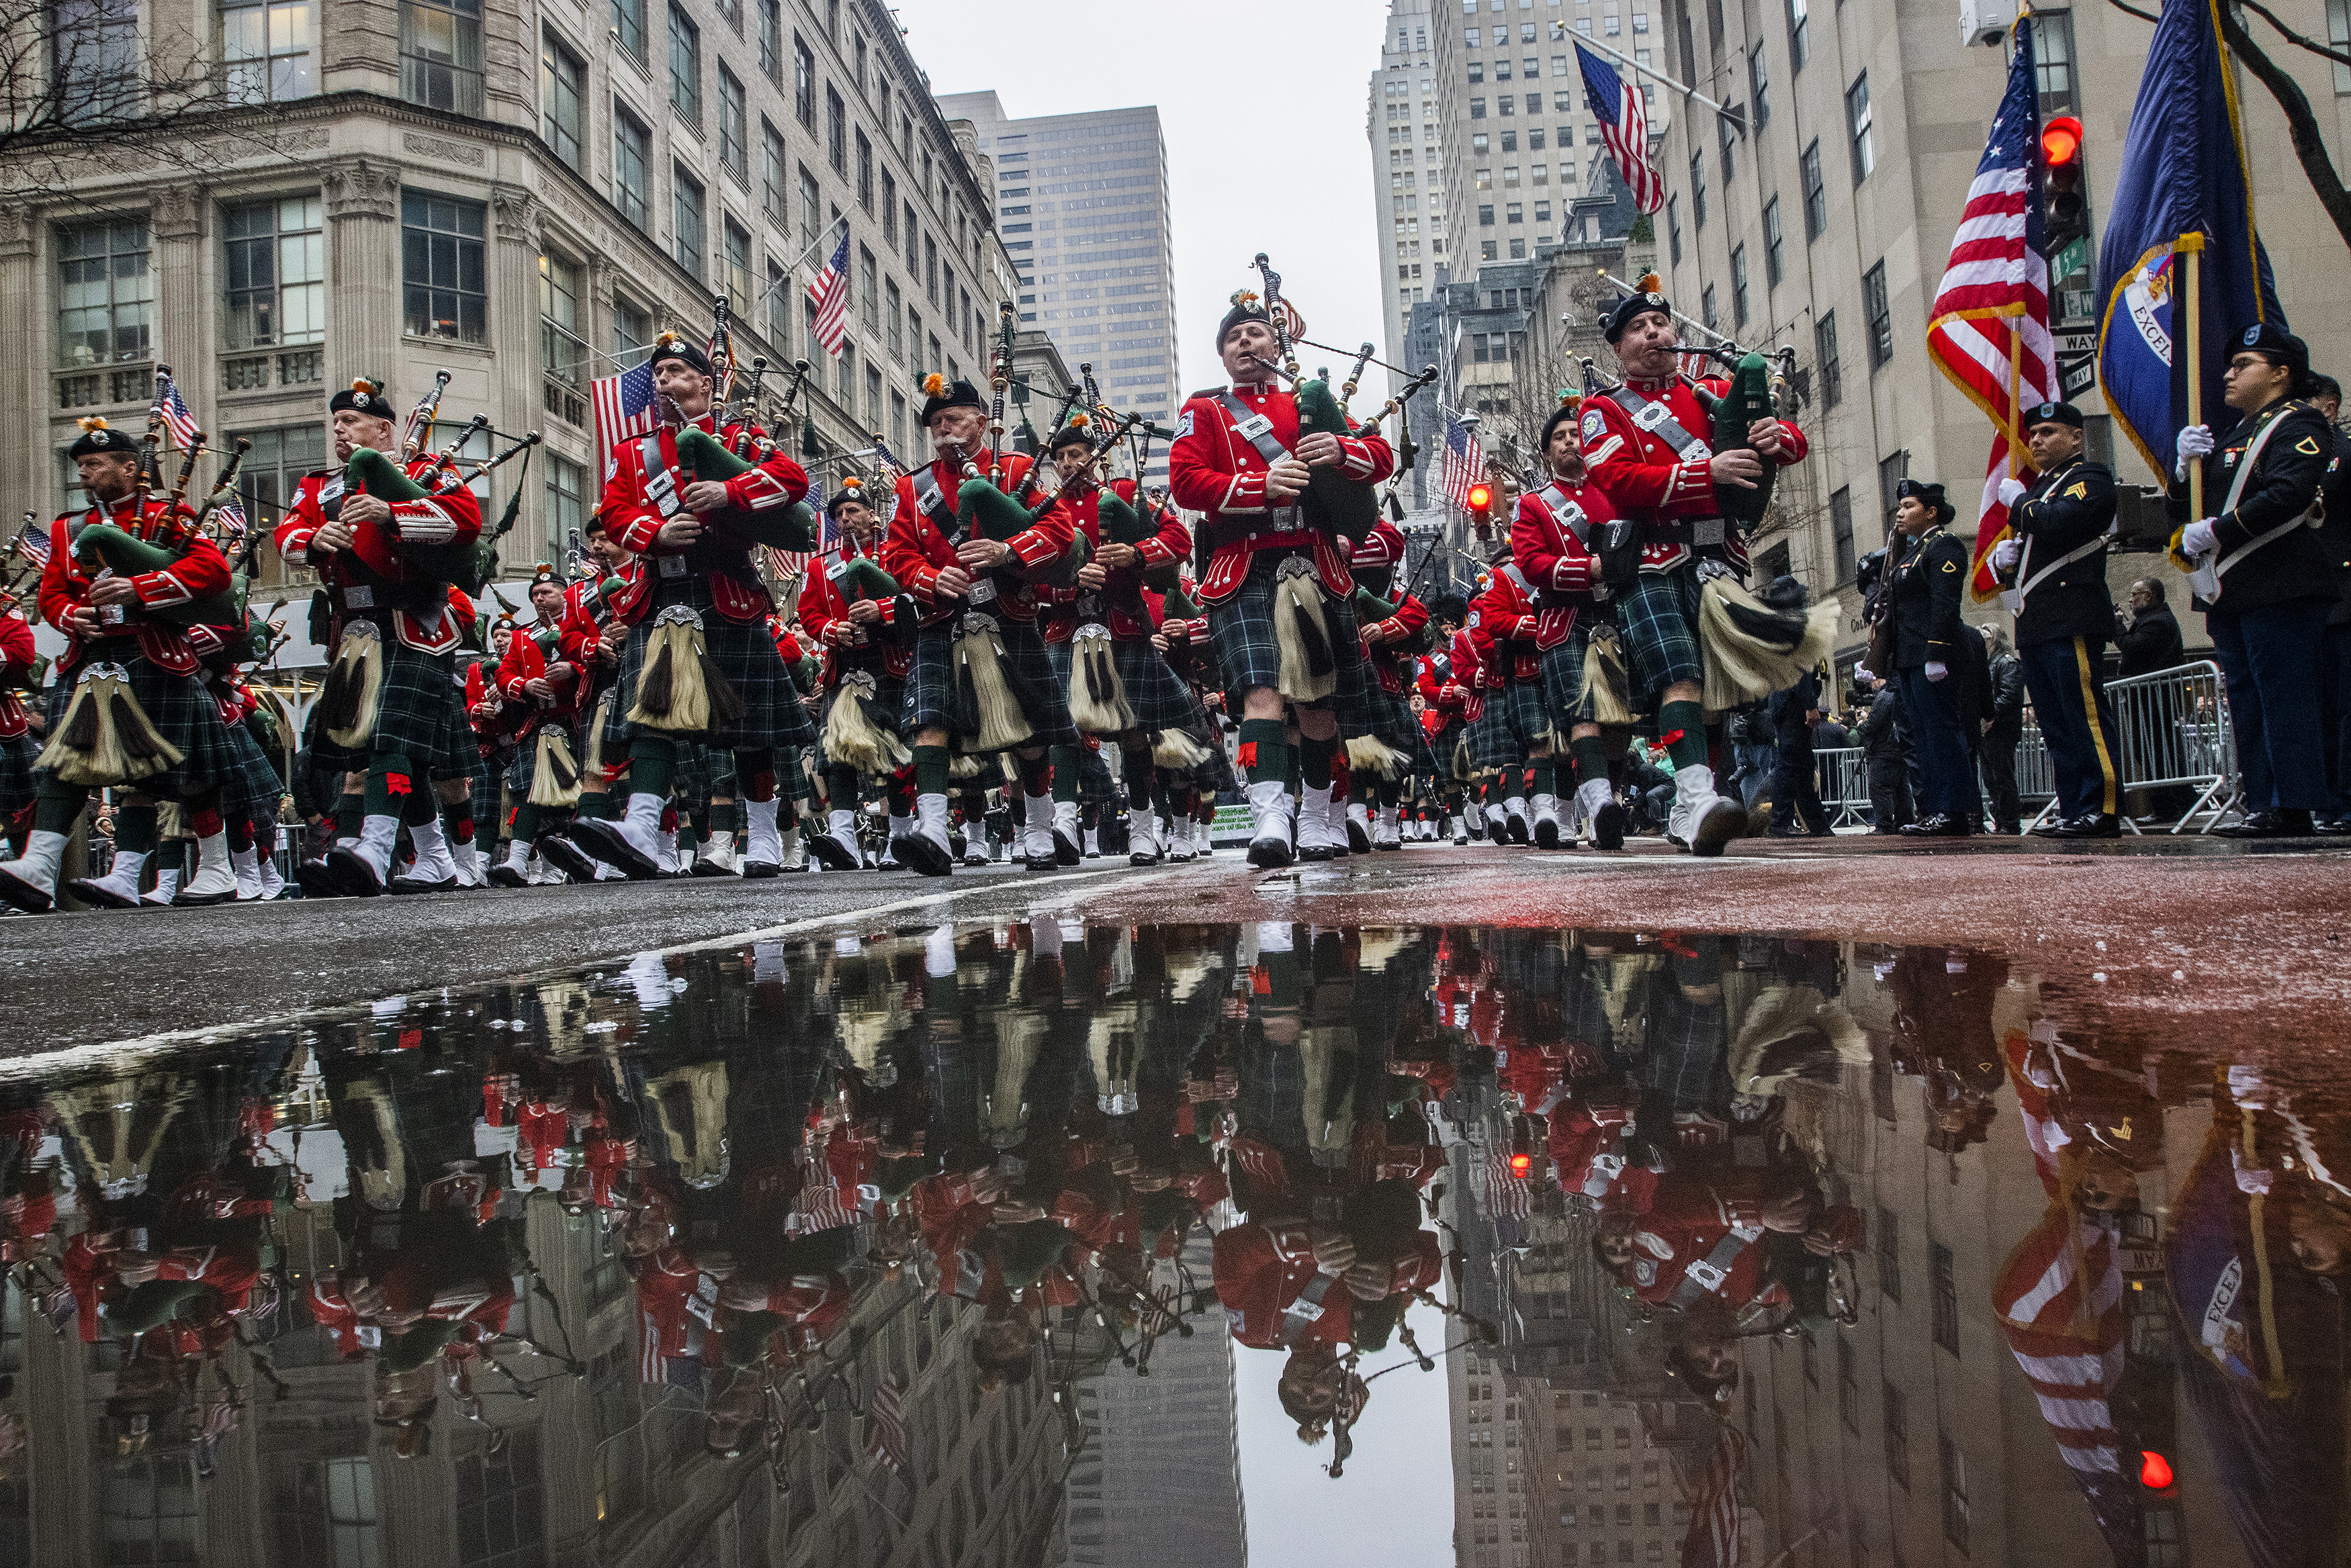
1950 566
2079 490
1184 425
2307 446
1473 617
1593 425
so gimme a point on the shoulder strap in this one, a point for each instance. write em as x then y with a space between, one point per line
1255 429
2252 455
661 484
1656 417
1569 514
932 499
1511 570
2237 488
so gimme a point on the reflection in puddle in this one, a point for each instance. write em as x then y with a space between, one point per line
1050 1243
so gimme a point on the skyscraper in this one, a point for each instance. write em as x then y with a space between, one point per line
1082 207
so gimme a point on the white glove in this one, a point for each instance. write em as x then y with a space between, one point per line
2010 491
2195 442
1711 569
2196 539
1937 669
2005 553
1861 672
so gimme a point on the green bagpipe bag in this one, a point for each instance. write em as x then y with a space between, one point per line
102 544
1734 412
1333 503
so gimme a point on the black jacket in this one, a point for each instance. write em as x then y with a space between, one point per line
2007 716
1926 588
1879 735
1788 709
2152 642
2334 534
2285 481
2060 511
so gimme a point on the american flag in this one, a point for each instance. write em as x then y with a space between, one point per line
624 408
172 410
1508 1196
1623 125
1713 1538
1988 330
1464 462
34 544
829 295
229 518
885 1425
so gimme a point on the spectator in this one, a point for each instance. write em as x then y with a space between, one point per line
1749 735
1884 754
2003 733
1828 734
2147 633
1796 809
2335 672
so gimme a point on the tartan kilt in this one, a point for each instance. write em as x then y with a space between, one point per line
1493 740
419 715
488 785
523 771
255 791
1658 615
1563 679
1161 699
17 754
181 709
773 719
1095 785
705 773
1392 722
1241 630
930 684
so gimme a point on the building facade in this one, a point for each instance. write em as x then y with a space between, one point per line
1082 212
520 193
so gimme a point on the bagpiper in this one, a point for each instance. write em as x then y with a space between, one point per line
539 688
699 665
1396 749
1647 445
391 712
866 626
127 710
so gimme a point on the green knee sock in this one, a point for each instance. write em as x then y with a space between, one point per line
1134 766
1265 750
1689 720
1065 773
930 776
391 786
1546 779
1590 759
1389 791
1314 761
526 820
172 855
1363 784
57 807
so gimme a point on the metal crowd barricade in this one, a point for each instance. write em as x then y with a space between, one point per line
1844 785
2175 735
2037 775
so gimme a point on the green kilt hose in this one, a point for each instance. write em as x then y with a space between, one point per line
1658 615
420 714
1248 657
181 709
773 719
1161 699
931 700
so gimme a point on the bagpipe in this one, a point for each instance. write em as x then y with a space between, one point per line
105 549
469 567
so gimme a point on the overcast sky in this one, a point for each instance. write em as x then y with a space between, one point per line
1262 105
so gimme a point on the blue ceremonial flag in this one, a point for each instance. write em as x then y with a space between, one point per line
2183 174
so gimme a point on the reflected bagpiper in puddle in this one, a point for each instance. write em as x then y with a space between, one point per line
914 1246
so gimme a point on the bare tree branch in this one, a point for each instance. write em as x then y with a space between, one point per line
2325 51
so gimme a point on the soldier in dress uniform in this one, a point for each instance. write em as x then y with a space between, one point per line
2056 564
2260 570
1239 459
1932 661
167 739
956 580
415 744
1646 445
538 690
867 656
696 578
1515 729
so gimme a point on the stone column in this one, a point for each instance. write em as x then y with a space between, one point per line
362 202
25 400
182 334
515 216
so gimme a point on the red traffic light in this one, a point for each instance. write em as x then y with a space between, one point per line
1480 497
2061 142
1521 1163
2154 1470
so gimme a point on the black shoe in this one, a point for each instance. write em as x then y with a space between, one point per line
1725 820
1547 831
1790 832
1358 841
505 875
2054 828
606 842
2008 829
354 878
2281 824
1941 825
1269 853
417 885
922 855
317 881
2095 825
2331 826
1518 829
1608 827
1067 851
560 852
835 855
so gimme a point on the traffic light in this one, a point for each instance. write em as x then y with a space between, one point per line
1481 508
2065 208
2154 1470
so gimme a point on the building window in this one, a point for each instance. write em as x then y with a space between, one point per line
1856 120
773 177
94 59
274 269
1738 285
441 54
686 67
1848 1386
803 83
1800 33
1897 1430
889 209
268 50
563 79
631 141
1889 1253
1946 1295
500 1514
2053 59
567 501
1706 303
687 216
1817 195
274 468
734 128
1775 258
1674 227
632 328
1729 139
868 292
1955 1493
629 26
737 242
772 40
778 307
811 208
562 351
1841 545
1698 188
443 269
1832 374
1476 108
2338 33
836 135
1875 305
1760 80
890 314
864 173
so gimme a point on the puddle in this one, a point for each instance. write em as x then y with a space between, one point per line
1051 1243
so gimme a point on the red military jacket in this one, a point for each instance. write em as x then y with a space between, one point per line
373 564
824 614
1501 629
1647 479
1171 543
527 661
1385 657
65 583
1554 558
1267 1279
582 632
917 548
635 520
1214 469
16 656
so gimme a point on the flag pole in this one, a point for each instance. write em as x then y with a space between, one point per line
2015 390
1736 117
2188 248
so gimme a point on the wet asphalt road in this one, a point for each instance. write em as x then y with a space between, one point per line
2180 927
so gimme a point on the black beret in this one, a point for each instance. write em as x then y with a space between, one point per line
850 490
1932 494
1247 306
2053 414
939 396
366 397
98 437
2278 346
670 346
1613 325
1564 414
1071 434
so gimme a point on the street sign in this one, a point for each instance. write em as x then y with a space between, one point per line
2076 374
2073 258
2082 342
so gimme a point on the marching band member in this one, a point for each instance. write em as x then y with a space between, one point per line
868 653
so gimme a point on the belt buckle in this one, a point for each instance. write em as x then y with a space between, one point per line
359 597
983 592
1285 519
1707 531
672 566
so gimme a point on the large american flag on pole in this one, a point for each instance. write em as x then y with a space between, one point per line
1712 1540
1623 119
623 406
1464 462
1988 330
829 295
